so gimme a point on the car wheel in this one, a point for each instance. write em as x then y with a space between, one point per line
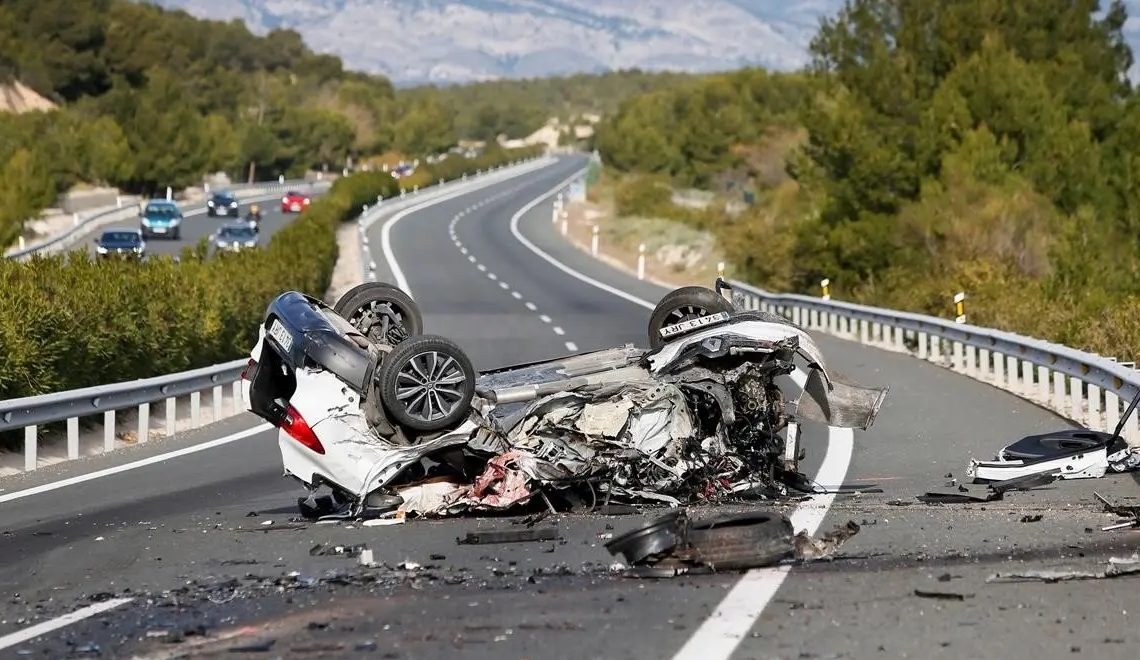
682 304
380 311
426 383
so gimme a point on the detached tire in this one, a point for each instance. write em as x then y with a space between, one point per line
380 311
682 304
426 383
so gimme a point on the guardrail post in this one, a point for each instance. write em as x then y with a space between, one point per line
1011 381
1043 384
216 402
109 431
144 422
984 364
1092 416
999 370
238 405
972 361
923 351
195 409
1111 410
1027 387
959 361
30 458
171 416
641 261
936 349
72 438
1132 430
864 333
1076 405
900 339
1058 401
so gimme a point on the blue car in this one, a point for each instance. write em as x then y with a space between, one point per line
160 217
125 243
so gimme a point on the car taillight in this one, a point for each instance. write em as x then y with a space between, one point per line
299 430
248 368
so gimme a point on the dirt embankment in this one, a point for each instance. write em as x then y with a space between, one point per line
18 98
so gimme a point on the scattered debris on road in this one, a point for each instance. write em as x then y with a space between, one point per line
1130 513
994 492
941 595
1069 453
510 536
1117 567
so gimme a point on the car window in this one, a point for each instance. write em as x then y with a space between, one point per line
121 237
162 210
237 232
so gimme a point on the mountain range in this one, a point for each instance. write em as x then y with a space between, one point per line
456 41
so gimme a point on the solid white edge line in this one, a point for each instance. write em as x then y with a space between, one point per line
158 458
32 632
720 634
390 223
724 629
558 264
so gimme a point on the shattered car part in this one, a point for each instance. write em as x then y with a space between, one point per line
713 413
1117 567
1072 453
723 543
510 536
1131 513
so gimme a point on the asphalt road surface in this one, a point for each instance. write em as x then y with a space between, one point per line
197 226
185 538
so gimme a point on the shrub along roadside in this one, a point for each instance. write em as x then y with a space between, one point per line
68 321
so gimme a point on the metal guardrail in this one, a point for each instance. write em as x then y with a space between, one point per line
1086 388
31 413
85 221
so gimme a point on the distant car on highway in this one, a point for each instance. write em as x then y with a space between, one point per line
235 237
161 217
294 202
124 243
222 202
403 170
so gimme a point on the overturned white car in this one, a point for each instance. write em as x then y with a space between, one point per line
389 418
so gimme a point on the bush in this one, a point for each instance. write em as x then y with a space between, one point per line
69 321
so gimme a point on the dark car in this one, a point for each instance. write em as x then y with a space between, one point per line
235 237
222 202
127 243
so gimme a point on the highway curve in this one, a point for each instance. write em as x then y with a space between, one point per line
184 538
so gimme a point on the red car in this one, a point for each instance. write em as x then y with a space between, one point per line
294 202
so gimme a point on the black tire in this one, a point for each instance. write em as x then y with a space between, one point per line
416 370
380 311
681 305
736 542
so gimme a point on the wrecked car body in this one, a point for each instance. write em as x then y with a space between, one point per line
387 417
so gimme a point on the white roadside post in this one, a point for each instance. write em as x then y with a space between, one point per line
565 222
23 245
641 261
169 194
594 241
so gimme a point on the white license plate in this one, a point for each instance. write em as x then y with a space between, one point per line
160 230
693 324
295 207
278 332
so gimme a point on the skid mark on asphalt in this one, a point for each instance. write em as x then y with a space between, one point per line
505 286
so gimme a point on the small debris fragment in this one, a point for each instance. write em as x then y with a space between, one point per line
251 514
266 523
941 595
1031 519
256 647
510 536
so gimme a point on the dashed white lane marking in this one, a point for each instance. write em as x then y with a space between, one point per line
35 631
453 234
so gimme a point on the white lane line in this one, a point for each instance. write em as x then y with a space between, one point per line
391 222
20 494
492 276
559 331
730 622
545 318
462 250
532 307
471 258
558 264
516 295
571 346
504 285
719 635
481 268
32 632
